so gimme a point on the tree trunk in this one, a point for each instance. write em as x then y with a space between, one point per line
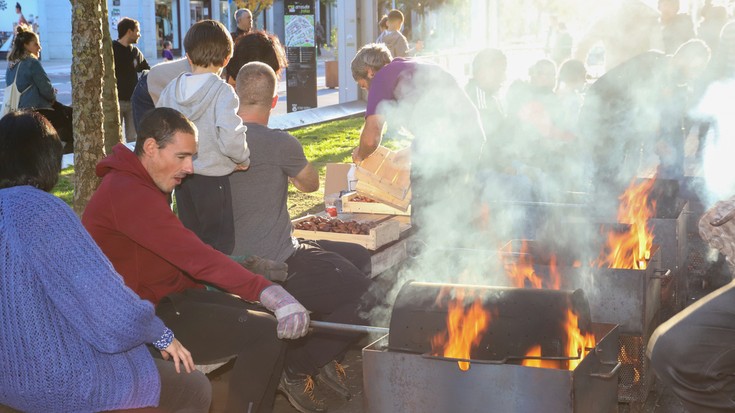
86 83
110 104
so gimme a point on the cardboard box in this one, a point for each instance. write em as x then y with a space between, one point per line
335 179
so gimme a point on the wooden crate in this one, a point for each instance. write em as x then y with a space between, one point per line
348 205
385 232
382 177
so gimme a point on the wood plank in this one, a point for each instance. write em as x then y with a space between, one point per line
348 205
389 256
384 233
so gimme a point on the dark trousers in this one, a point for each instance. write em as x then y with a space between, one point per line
330 279
216 326
183 392
141 101
205 206
694 353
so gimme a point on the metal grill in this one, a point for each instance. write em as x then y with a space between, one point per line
635 377
697 257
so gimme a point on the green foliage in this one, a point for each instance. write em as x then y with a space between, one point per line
255 6
334 42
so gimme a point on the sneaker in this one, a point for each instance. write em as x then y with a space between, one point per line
300 393
333 375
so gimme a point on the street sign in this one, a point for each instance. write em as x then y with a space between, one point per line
301 53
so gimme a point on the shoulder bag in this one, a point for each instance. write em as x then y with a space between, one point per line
12 95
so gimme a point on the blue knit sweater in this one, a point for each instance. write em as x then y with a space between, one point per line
71 334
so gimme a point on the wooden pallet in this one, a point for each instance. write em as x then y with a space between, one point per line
349 205
387 231
383 177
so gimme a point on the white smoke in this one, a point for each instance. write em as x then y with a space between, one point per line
719 145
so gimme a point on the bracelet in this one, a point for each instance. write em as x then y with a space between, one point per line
166 339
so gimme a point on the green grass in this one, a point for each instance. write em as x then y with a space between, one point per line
324 143
64 189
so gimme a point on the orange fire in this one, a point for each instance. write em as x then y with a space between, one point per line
576 345
464 330
544 364
632 249
523 275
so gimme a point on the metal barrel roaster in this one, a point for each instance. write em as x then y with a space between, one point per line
402 373
519 318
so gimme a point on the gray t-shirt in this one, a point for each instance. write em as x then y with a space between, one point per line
262 222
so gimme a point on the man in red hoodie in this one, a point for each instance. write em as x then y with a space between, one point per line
130 219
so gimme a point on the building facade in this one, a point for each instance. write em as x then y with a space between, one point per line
160 20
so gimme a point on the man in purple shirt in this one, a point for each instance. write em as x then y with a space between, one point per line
448 139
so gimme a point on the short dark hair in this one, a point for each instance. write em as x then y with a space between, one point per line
162 124
488 59
572 70
125 24
383 23
256 84
395 14
30 151
208 43
257 46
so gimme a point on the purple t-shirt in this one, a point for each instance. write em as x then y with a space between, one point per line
168 55
384 83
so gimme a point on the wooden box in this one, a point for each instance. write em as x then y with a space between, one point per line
384 177
385 232
357 207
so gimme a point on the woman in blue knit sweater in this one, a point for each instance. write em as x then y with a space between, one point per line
73 336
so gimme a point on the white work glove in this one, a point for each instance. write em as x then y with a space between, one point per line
293 319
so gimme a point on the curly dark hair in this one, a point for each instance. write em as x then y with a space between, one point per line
258 46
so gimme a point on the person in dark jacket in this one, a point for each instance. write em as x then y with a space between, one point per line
129 61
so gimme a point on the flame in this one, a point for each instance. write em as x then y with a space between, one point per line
464 330
628 358
554 277
632 249
522 273
576 346
577 343
535 351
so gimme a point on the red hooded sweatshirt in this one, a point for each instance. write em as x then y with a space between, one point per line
131 221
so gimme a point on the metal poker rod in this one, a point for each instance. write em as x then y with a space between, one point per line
350 328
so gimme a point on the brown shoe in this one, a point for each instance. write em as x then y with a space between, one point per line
300 393
333 375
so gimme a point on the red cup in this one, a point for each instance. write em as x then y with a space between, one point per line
332 211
